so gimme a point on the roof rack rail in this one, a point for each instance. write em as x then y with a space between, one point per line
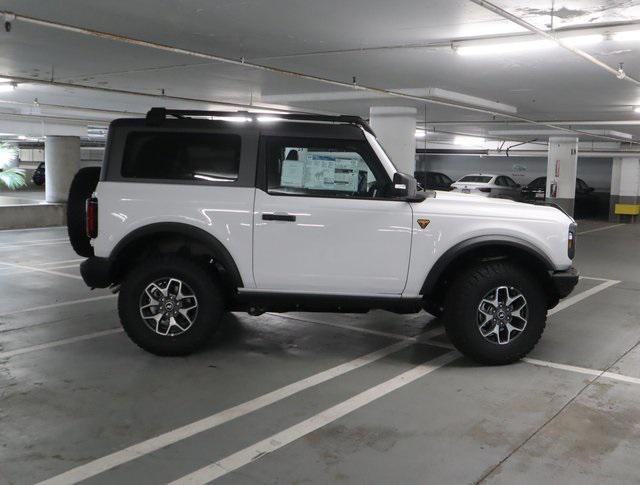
156 116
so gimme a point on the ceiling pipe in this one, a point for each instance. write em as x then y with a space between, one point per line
604 28
243 63
527 153
555 122
618 73
127 92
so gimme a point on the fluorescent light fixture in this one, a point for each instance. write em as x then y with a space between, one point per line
637 109
421 133
5 80
7 87
628 35
268 119
468 141
234 119
503 47
582 40
22 137
526 45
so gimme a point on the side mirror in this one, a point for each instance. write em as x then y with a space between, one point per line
406 187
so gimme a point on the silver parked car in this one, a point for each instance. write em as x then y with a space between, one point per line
488 185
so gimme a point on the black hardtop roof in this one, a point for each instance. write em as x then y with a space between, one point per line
157 116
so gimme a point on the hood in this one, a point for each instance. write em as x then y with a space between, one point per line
469 204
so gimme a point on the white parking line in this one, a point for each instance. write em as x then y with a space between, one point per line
41 270
29 229
378 333
49 345
572 300
57 305
34 241
597 229
125 455
275 442
23 246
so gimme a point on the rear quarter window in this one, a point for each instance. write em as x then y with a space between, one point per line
182 156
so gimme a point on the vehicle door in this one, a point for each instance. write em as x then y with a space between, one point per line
324 222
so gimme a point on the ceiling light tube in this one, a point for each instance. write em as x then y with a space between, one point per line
468 141
628 35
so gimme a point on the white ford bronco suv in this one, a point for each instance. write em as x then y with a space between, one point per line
197 213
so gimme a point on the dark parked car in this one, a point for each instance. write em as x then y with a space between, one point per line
585 202
433 180
38 175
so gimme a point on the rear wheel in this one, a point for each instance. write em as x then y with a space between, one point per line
495 313
170 306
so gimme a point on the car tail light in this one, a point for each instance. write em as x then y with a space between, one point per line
92 218
485 189
571 241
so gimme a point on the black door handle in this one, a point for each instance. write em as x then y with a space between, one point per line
278 217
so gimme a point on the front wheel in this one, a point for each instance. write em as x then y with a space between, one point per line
495 312
170 305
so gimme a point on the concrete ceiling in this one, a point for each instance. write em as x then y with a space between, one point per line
333 39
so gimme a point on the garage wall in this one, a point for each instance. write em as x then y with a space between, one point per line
595 171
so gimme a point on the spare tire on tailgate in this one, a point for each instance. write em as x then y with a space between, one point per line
82 186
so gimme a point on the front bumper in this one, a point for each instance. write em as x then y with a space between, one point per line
97 272
564 282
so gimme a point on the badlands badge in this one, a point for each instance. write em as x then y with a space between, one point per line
423 223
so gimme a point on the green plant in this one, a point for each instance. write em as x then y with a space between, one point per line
13 178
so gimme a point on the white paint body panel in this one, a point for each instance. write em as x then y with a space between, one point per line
458 217
224 212
335 245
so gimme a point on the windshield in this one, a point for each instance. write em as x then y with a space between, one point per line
476 178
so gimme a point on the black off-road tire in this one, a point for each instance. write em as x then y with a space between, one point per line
211 305
83 185
461 312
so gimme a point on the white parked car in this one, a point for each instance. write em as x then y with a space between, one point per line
488 185
190 218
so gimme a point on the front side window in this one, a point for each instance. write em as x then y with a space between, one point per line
324 168
205 157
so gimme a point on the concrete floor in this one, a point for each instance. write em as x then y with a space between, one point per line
291 399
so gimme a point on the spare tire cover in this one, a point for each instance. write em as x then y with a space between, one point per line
82 186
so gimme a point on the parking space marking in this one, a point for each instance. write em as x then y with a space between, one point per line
41 270
597 229
57 305
19 243
572 300
57 343
275 442
23 246
583 370
29 229
150 445
65 261
378 333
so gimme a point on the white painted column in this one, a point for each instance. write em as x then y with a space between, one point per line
395 127
625 184
62 161
562 167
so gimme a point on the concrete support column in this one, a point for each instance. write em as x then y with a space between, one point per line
395 127
62 161
625 186
562 167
